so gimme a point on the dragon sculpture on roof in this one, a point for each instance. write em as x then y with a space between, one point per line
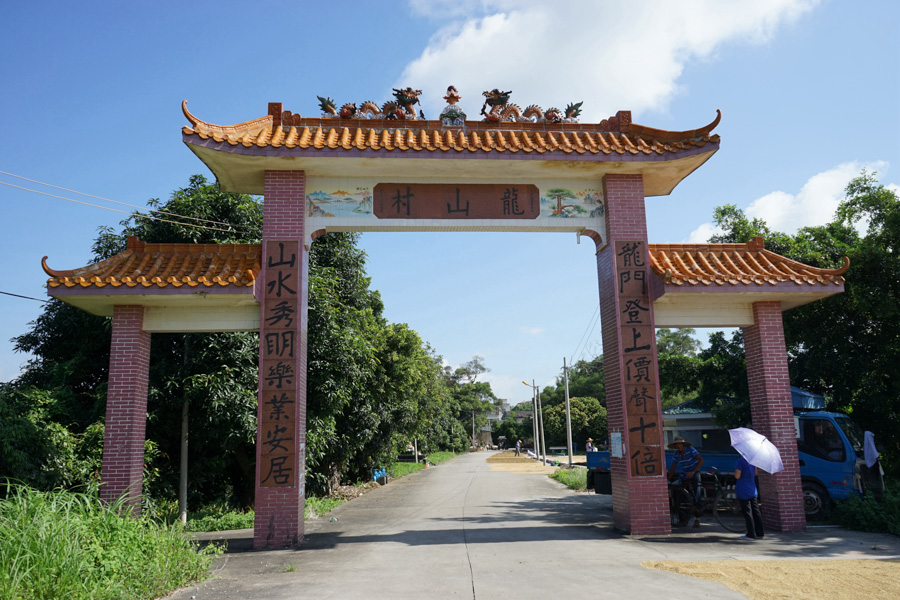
496 108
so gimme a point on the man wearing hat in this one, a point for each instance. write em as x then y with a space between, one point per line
687 463
590 445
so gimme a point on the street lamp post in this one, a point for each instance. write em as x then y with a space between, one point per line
568 414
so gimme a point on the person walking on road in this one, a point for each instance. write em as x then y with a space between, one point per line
518 447
745 474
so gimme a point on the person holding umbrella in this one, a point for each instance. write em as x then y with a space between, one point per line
755 451
745 474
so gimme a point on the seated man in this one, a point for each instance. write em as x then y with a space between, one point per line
687 464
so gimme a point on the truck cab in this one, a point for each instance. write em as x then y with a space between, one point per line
830 450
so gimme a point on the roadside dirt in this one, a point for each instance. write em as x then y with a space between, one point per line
796 579
766 579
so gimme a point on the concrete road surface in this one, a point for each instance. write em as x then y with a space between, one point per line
470 529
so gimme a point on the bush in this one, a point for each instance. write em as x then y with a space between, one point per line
575 479
70 545
867 514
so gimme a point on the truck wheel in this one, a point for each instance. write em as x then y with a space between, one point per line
815 501
590 479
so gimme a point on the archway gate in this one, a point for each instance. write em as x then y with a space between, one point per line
363 174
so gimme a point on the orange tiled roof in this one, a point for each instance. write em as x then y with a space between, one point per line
161 265
617 135
734 265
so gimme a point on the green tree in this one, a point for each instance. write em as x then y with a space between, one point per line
846 346
369 383
560 194
588 418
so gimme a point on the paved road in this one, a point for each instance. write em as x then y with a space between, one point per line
466 530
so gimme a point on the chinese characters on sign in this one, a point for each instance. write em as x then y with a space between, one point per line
450 201
278 378
644 431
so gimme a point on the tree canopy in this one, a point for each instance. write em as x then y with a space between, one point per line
373 386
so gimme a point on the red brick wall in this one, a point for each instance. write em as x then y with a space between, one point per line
773 416
126 407
640 504
279 509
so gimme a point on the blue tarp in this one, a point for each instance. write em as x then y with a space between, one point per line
806 400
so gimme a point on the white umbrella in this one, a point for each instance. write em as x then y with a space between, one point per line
756 449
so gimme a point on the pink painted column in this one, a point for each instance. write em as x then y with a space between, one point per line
126 408
640 495
281 413
773 416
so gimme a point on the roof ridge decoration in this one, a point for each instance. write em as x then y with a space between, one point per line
161 265
735 264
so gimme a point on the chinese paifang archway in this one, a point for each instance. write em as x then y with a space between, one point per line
504 173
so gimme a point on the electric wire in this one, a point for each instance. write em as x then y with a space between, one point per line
25 297
586 335
585 348
133 214
161 212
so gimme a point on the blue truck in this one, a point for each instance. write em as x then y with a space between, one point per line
830 449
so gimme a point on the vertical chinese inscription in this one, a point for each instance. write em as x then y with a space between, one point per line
641 388
278 377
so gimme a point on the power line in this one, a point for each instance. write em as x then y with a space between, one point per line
133 214
591 324
161 212
25 297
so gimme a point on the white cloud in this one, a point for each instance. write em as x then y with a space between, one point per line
702 234
531 331
611 55
815 204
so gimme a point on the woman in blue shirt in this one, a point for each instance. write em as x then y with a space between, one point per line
745 474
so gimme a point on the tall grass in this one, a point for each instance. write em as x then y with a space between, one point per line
575 479
70 545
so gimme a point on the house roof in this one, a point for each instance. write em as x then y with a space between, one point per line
715 281
143 265
617 135
239 154
716 285
747 264
699 406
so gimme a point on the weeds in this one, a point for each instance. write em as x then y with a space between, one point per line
867 514
70 545
575 479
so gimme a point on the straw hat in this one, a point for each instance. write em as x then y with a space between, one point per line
679 440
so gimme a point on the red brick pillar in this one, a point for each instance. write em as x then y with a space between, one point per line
773 416
126 407
281 413
640 497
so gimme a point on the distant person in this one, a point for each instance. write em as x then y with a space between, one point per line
589 447
518 447
687 465
745 474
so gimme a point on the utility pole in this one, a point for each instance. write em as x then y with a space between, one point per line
534 419
543 441
568 413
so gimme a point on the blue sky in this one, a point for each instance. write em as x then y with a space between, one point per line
92 92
